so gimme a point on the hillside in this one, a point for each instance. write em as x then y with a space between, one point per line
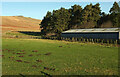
19 23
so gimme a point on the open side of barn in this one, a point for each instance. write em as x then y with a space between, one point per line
95 33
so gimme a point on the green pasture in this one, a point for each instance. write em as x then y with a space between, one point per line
39 56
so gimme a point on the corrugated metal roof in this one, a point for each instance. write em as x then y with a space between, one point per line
93 30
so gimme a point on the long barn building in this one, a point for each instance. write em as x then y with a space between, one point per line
95 33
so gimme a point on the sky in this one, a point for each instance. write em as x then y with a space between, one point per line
39 9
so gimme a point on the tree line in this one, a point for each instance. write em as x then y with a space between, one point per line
77 17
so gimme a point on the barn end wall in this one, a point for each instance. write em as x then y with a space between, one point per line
119 35
93 35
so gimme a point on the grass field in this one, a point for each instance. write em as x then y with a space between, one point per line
35 56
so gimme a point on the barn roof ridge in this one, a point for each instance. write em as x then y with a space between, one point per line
93 30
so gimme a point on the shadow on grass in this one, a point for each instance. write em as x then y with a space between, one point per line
31 33
46 74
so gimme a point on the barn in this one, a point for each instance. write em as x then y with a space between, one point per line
94 33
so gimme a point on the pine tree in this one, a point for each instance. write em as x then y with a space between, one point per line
90 15
75 15
115 8
46 23
61 20
115 14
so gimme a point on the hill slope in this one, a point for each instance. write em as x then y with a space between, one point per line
18 23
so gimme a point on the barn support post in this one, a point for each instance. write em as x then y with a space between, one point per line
118 41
